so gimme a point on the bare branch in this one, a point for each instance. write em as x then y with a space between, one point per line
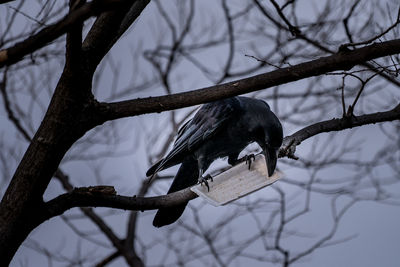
13 54
95 197
346 20
339 61
319 45
344 46
108 259
9 110
293 30
108 28
290 142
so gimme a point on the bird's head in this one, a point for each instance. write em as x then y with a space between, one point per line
265 128
271 141
271 155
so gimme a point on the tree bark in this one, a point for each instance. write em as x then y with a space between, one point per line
63 124
71 113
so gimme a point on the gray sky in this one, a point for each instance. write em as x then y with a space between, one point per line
373 227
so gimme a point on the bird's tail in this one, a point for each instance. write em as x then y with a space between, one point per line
187 175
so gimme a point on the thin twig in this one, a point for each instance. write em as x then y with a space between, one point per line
345 46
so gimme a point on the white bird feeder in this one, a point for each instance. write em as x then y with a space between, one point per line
237 182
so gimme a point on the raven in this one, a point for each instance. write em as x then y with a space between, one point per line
219 129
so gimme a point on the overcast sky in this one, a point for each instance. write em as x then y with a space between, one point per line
372 228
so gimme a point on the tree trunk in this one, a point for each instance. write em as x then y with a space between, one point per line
21 209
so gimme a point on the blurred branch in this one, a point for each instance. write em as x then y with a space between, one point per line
133 217
345 46
293 29
337 216
231 38
122 248
289 2
27 16
318 44
108 259
9 110
347 18
338 61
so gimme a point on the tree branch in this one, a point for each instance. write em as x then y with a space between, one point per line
108 259
372 39
10 112
339 61
127 252
74 40
288 147
13 54
104 196
293 29
317 44
108 28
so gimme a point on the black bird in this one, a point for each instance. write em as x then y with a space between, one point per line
219 129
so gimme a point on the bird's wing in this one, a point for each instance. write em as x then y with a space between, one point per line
182 130
210 118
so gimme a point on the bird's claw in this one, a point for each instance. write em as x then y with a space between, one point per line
249 159
203 180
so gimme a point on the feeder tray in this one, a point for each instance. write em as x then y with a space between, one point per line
237 182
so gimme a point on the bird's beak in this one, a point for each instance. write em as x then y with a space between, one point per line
270 158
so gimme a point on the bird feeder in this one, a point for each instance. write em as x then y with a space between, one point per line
237 182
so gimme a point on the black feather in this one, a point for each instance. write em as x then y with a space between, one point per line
187 176
218 129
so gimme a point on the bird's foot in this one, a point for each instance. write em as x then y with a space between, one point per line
248 159
203 180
